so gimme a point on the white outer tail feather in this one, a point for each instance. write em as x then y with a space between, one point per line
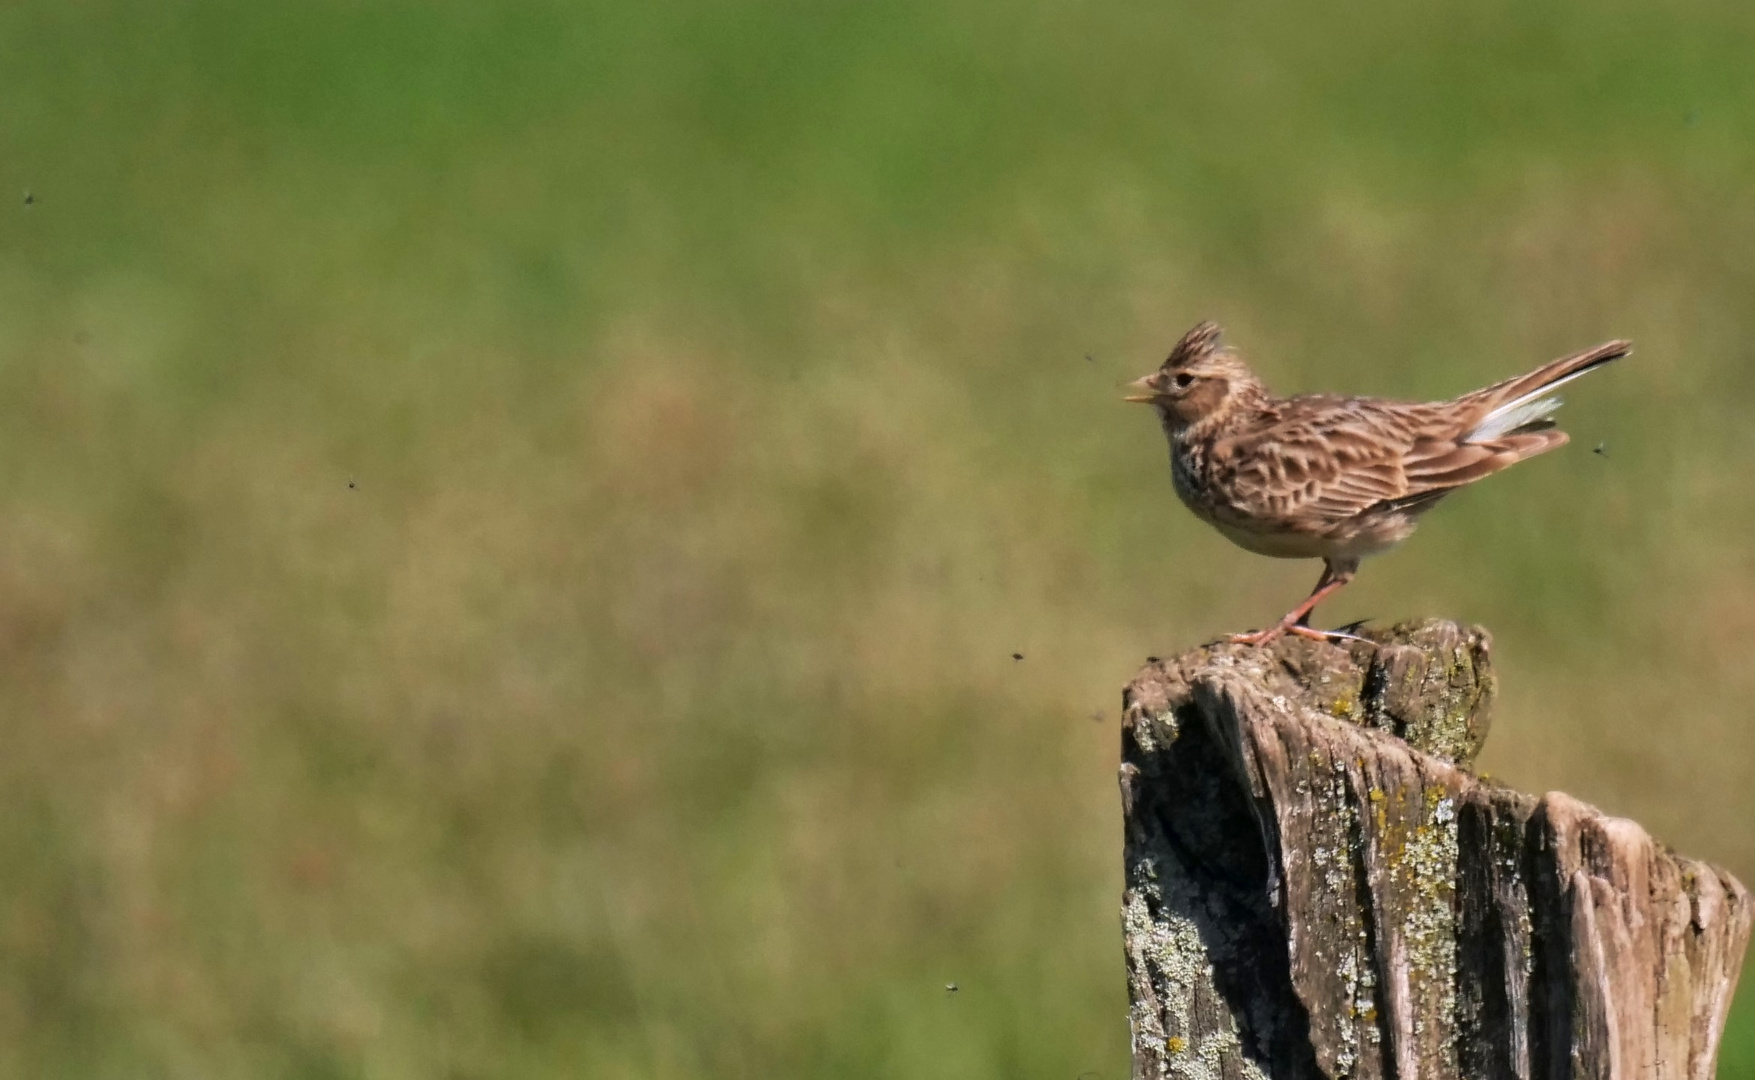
1509 417
1537 405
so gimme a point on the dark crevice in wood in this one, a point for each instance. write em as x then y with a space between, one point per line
1377 1022
1212 835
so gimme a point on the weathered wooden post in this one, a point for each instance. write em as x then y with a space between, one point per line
1318 887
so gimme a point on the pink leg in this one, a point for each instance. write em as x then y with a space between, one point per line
1333 578
1328 575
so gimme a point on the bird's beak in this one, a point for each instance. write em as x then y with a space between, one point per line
1143 390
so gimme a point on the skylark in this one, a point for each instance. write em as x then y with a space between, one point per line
1320 476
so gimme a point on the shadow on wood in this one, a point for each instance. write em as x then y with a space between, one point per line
1317 886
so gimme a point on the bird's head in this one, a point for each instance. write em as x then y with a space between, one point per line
1201 380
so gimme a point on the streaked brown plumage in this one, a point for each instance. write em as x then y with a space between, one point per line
1320 476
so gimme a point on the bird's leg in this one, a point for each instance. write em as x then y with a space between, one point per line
1333 578
1328 575
1301 625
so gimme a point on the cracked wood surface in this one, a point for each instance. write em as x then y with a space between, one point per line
1316 886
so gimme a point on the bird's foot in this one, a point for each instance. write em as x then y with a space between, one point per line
1263 637
1296 620
1257 637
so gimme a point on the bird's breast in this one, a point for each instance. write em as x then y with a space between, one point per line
1188 477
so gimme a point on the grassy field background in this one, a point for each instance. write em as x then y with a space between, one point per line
515 518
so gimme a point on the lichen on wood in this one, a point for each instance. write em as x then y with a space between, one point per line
1317 886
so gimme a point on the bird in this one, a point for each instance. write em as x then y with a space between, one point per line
1322 476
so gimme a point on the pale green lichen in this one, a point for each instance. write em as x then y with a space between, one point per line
1171 957
1147 734
1437 699
1335 856
1425 868
1445 729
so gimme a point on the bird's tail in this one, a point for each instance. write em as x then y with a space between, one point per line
1526 403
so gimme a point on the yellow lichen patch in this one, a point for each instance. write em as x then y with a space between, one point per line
1425 869
1176 1044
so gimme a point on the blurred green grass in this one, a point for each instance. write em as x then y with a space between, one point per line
514 519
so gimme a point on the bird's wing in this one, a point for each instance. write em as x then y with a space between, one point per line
1329 459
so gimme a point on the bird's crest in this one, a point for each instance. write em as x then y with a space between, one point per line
1201 341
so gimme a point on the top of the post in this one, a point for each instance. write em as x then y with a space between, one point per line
1430 682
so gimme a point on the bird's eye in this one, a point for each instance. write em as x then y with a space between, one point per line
1183 380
